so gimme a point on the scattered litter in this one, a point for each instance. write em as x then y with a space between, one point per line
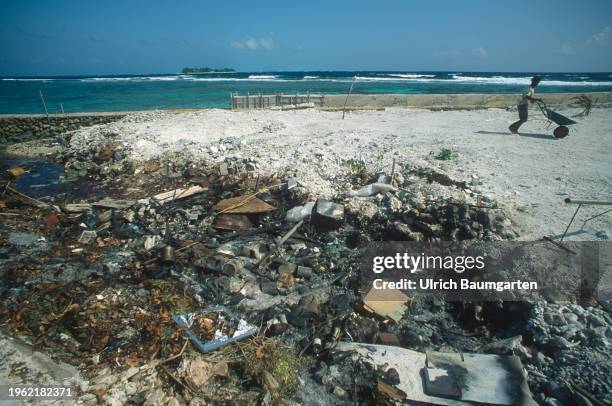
214 327
372 189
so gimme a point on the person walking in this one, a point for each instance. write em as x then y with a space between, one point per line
523 105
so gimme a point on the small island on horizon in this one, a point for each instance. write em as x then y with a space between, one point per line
207 70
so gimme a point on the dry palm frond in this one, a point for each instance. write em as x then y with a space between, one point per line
583 101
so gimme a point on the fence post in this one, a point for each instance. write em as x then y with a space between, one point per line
44 104
247 100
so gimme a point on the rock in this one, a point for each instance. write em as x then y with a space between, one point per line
304 272
327 215
561 392
287 268
269 288
581 400
230 284
275 327
507 346
299 212
338 391
560 343
392 203
305 311
372 189
392 376
401 232
198 372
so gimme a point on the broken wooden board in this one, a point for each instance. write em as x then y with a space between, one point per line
386 303
117 204
27 199
177 194
76 208
247 204
389 392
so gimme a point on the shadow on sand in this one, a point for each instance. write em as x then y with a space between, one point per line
529 135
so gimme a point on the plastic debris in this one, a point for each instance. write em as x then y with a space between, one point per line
372 189
218 321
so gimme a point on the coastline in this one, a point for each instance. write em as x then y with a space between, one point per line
468 101
16 128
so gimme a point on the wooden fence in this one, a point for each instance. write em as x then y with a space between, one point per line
262 101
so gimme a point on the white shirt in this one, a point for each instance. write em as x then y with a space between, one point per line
529 93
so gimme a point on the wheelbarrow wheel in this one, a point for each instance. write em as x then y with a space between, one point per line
561 131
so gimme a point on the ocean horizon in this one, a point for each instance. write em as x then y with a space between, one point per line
107 93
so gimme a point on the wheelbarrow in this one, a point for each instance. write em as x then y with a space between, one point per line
561 131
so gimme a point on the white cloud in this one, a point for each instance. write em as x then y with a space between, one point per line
254 43
266 43
602 38
480 52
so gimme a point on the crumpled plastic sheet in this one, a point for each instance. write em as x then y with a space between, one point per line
220 339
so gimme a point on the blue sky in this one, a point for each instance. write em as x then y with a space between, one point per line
114 37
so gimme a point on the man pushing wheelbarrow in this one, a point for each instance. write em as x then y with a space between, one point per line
523 105
523 109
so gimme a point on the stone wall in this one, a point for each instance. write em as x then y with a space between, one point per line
27 127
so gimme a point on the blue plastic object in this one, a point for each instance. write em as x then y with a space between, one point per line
183 321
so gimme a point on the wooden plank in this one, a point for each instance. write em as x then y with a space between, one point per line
178 194
243 205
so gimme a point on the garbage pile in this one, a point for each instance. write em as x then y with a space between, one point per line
204 282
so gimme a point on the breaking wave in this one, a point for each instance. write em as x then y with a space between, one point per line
411 75
262 77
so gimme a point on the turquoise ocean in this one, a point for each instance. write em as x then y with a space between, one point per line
20 95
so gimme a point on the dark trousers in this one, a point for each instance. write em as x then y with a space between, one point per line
523 110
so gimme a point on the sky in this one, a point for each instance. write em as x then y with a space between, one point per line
68 37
